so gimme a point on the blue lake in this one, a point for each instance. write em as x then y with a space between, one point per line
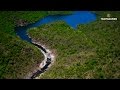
78 17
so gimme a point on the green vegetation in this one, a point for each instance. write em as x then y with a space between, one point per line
8 19
59 12
91 51
17 57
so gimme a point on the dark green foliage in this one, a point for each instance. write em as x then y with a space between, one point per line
17 57
92 51
59 12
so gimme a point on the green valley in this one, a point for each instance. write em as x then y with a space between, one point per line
92 51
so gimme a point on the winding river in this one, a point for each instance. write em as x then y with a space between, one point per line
78 17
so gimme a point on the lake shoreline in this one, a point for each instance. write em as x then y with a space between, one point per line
46 52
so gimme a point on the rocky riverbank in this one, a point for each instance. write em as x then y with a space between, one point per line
21 22
49 58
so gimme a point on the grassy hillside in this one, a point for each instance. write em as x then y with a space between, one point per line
17 57
8 18
91 51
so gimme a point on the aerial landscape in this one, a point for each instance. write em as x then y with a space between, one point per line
59 45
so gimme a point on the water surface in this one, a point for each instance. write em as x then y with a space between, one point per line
78 17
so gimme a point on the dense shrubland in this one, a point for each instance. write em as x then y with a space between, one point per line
91 51
18 57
